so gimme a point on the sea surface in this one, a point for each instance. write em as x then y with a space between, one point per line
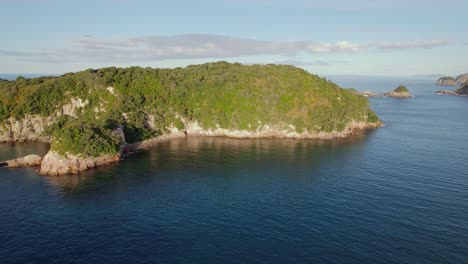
397 194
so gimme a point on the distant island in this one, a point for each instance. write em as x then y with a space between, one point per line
450 81
461 91
95 117
399 92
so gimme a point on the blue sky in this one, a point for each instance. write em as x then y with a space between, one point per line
361 37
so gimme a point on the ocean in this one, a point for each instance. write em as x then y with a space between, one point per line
397 194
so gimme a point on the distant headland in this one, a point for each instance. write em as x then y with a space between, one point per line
450 81
461 80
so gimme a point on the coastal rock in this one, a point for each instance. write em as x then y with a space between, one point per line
399 92
29 128
270 131
55 164
446 92
447 81
27 161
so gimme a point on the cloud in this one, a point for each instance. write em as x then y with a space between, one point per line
203 46
198 46
322 63
417 44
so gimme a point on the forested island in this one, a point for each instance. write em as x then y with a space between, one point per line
399 92
98 116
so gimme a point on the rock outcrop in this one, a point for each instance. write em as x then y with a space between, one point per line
27 161
399 92
55 164
29 128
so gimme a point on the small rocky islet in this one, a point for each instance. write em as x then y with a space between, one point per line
399 92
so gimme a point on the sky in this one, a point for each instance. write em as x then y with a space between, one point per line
353 37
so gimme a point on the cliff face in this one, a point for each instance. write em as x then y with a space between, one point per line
29 128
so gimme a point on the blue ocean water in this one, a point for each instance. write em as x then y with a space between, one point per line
398 194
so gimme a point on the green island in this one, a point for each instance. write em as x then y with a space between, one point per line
400 92
86 110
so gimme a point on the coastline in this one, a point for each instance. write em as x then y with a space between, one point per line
55 164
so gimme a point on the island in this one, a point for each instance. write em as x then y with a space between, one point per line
450 81
99 116
461 91
399 92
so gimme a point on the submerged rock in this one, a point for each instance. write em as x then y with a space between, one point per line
399 92
27 161
369 94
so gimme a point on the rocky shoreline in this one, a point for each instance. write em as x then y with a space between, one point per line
448 92
55 164
26 161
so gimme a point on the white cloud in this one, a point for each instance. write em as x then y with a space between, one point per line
417 44
322 63
198 46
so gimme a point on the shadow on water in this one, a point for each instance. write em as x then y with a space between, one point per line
186 159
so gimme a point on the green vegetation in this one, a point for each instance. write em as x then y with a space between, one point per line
401 89
146 101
